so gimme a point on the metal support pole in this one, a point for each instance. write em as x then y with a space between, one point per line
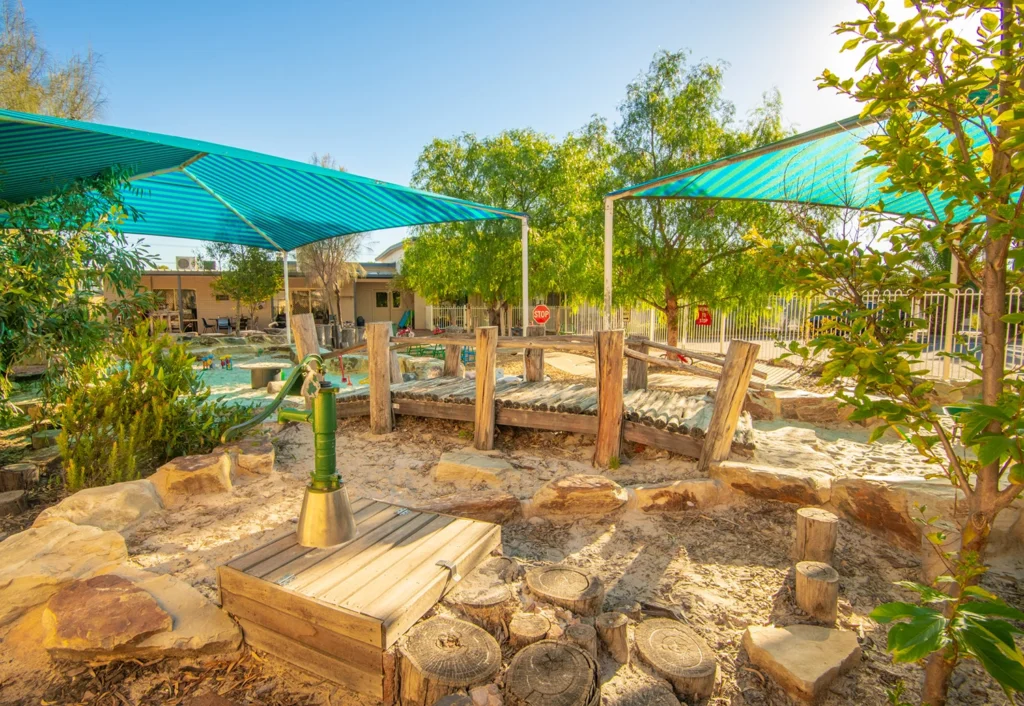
526 273
951 302
287 299
609 226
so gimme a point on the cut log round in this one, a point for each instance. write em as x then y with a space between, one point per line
816 533
486 597
454 700
817 590
18 476
442 656
612 627
583 636
551 673
567 587
679 655
527 628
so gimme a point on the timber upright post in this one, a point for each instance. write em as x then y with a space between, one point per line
378 337
636 370
452 357
609 396
729 398
486 353
533 358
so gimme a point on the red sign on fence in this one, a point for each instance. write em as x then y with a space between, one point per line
541 314
703 315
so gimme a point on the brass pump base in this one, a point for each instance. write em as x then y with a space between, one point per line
326 519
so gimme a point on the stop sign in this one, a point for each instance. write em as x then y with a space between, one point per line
541 314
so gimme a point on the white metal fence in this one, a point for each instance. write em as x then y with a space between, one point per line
951 325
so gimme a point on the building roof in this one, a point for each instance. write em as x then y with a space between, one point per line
391 251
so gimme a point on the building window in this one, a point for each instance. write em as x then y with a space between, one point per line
382 300
396 298
223 298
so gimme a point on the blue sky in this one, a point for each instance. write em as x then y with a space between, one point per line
372 83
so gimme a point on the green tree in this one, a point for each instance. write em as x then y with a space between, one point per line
32 82
668 252
937 84
250 276
58 256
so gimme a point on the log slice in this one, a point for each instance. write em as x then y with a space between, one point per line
442 656
552 673
567 587
679 655
527 628
485 596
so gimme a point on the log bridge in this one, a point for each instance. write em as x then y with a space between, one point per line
614 409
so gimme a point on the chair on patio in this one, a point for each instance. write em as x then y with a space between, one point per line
224 323
207 326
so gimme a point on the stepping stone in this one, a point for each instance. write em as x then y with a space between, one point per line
189 476
678 496
471 469
111 507
803 659
486 505
252 457
578 495
44 438
12 502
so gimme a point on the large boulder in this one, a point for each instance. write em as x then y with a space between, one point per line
811 407
252 457
38 562
189 476
578 495
422 368
676 496
111 507
487 505
469 469
198 627
892 504
773 483
803 659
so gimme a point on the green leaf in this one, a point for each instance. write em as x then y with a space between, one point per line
915 640
887 612
1004 663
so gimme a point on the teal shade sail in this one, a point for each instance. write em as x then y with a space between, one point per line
190 189
817 167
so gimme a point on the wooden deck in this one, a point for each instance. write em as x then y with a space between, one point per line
661 418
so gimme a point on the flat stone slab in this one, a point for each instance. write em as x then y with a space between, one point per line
190 476
38 562
803 659
252 457
486 505
111 507
677 496
773 483
471 469
578 495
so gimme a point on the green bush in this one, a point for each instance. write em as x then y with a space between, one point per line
137 410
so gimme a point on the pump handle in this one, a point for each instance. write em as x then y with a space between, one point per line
236 430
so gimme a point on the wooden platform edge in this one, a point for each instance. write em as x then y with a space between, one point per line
669 441
438 410
353 409
551 421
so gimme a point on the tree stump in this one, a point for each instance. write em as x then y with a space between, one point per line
551 673
583 636
12 503
817 590
485 596
816 533
612 627
44 438
567 587
18 476
527 628
679 655
442 656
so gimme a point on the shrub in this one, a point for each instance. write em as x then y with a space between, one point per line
132 413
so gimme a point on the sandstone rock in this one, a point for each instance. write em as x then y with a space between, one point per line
771 483
678 495
762 405
111 507
100 615
803 659
811 407
38 562
578 495
12 502
187 476
470 469
488 506
45 438
890 504
252 457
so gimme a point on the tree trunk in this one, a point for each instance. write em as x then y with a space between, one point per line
238 316
672 318
937 671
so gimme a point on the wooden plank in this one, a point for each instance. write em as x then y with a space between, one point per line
729 398
486 353
609 397
681 444
429 549
313 661
438 410
335 618
434 585
553 421
379 378
358 654
673 364
376 560
636 370
353 409
533 358
284 538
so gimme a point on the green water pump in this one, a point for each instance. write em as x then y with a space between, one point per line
326 519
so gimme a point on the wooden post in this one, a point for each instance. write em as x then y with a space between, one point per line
583 636
816 533
612 629
452 357
486 353
609 396
533 358
636 370
817 590
379 378
729 398
395 367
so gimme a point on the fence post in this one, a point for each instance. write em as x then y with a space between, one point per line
533 358
951 303
721 333
609 396
486 353
429 311
654 320
729 398
378 337
685 325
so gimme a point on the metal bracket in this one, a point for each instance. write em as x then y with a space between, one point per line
402 511
285 580
453 574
